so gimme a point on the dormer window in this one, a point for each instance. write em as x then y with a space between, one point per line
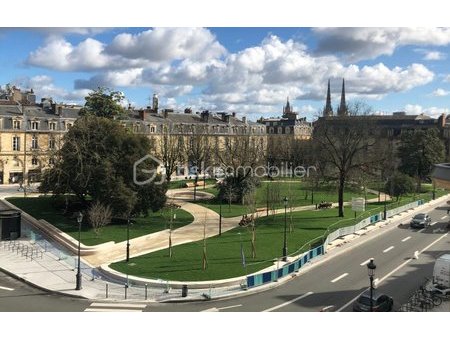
34 125
52 125
16 124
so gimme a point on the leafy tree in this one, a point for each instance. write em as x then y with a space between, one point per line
418 151
104 102
399 184
96 161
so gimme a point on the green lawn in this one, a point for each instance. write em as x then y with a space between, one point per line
296 192
182 183
223 252
42 208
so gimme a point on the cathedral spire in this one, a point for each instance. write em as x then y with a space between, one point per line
287 108
342 110
328 110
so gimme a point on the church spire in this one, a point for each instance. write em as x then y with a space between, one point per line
287 108
342 110
328 110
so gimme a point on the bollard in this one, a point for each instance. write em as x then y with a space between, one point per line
146 286
126 289
106 290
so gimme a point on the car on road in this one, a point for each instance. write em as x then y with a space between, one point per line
420 221
381 302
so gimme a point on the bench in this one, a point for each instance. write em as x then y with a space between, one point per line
191 184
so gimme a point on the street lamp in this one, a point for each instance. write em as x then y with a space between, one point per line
195 184
79 220
285 200
220 217
371 271
128 239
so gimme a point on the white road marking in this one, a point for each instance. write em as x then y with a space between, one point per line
217 309
340 277
229 307
433 223
392 272
289 302
421 230
327 308
365 262
111 307
406 238
388 249
5 288
444 217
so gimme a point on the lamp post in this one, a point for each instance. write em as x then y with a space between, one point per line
128 239
371 271
195 185
220 218
79 220
285 200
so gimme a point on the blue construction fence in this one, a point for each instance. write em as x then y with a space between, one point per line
272 276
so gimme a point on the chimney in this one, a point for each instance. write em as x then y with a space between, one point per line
59 110
142 114
188 111
205 116
244 119
233 114
441 120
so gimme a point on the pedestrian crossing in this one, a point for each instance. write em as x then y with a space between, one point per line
115 307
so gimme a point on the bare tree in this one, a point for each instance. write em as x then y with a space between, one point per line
99 215
171 149
345 143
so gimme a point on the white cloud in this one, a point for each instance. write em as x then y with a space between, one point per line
440 92
447 78
430 111
434 56
369 43
162 44
43 86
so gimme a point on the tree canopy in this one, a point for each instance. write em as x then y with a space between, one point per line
418 151
103 102
96 161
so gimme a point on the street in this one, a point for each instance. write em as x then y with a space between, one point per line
331 285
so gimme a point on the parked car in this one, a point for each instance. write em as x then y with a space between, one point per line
420 221
381 302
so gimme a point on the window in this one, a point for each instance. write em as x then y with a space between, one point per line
68 125
271 131
16 124
152 129
136 128
34 142
52 125
51 143
280 130
34 125
34 161
16 143
51 161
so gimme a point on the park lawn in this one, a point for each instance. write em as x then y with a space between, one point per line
182 183
41 208
295 191
224 253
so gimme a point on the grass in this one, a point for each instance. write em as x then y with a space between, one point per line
223 252
296 192
182 183
42 208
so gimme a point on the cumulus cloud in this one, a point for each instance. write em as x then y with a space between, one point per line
440 92
43 86
368 43
161 44
434 56
415 109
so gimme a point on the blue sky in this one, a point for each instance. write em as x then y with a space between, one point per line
247 70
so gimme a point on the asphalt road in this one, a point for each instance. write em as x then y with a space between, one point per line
332 284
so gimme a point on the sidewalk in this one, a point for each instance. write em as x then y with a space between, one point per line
56 272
